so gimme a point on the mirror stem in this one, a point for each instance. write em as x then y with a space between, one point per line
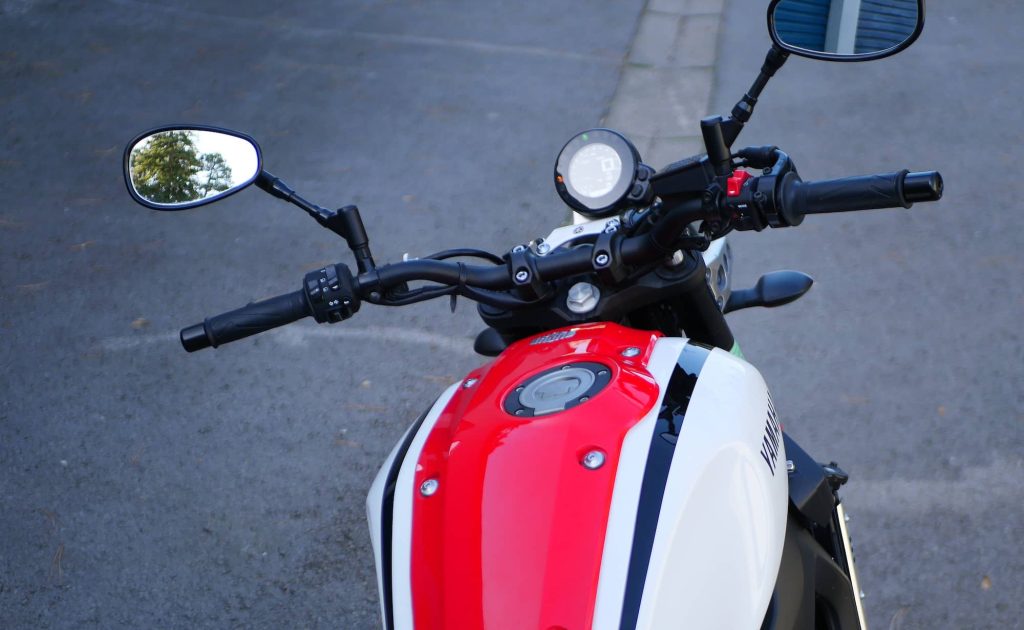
279 189
346 222
715 145
741 113
350 226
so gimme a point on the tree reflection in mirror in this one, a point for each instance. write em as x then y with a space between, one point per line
846 27
183 166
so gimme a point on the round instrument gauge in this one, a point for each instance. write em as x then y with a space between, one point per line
595 171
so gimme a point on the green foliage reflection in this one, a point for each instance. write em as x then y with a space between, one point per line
168 168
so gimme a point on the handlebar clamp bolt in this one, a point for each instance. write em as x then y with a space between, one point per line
543 249
522 275
602 259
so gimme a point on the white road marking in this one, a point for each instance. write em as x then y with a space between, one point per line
401 38
302 336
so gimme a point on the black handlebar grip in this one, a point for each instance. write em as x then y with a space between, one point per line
867 192
249 320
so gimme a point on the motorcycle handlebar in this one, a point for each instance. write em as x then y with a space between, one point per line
890 190
793 199
249 320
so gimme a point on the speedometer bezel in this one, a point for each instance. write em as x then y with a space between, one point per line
597 207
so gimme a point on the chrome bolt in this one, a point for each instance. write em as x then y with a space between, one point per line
583 297
790 466
522 275
428 487
611 226
631 351
543 249
677 258
469 382
519 248
602 259
593 460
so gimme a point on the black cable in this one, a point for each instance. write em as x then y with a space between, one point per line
466 252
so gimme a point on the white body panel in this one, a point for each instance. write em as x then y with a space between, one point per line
718 547
626 496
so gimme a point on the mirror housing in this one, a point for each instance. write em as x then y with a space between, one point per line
845 30
176 167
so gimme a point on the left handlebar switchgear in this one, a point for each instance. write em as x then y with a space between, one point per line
331 294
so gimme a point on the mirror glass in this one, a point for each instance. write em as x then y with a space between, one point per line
845 28
180 168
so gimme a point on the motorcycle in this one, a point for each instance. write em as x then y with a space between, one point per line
618 464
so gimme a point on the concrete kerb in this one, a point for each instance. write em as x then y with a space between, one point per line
666 82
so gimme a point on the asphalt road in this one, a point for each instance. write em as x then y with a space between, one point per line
143 487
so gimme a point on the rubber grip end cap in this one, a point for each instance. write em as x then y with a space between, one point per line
194 338
926 186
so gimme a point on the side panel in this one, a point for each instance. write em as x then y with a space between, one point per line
626 496
382 495
722 523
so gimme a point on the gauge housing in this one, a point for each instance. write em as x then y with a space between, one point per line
596 172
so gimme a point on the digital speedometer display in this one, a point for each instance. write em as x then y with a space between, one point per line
595 169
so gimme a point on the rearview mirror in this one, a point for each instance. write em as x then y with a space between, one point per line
845 30
173 168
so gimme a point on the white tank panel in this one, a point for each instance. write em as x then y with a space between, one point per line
718 544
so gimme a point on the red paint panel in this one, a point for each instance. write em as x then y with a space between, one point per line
513 537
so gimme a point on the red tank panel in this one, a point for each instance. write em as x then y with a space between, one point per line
513 535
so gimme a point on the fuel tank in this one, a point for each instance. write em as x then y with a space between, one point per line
591 477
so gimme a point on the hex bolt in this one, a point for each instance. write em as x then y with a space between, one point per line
601 259
543 248
631 351
583 297
522 275
593 459
428 487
